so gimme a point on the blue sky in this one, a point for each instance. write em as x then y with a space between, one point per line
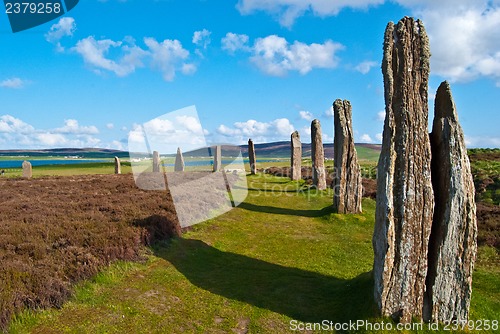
252 68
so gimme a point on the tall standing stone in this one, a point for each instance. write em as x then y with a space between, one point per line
405 199
179 161
118 167
453 241
251 157
347 186
296 158
318 156
27 170
218 158
156 162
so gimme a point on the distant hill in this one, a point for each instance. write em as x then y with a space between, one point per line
279 149
63 152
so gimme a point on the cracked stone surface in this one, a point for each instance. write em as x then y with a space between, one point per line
347 182
453 241
405 199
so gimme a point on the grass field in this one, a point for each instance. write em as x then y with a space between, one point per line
278 257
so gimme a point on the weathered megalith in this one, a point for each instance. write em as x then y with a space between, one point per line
27 170
156 162
217 159
118 166
179 161
453 241
251 157
296 157
318 156
405 199
347 182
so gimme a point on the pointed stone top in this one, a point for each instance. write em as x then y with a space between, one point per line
250 140
296 134
178 150
315 122
340 103
443 104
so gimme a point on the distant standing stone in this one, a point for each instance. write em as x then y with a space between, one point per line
27 170
251 157
179 161
156 162
118 167
218 158
296 158
405 199
453 241
347 186
318 156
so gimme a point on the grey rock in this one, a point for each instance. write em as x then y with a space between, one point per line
453 241
347 182
27 170
296 156
251 157
156 162
405 199
179 161
318 156
118 166
217 159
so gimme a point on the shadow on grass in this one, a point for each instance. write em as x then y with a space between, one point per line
286 211
302 295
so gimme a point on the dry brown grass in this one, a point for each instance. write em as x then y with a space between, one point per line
56 231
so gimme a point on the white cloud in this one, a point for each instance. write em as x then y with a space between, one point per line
10 124
275 56
94 54
65 27
15 133
306 130
278 129
464 39
464 34
71 126
482 141
379 137
365 66
110 126
202 38
15 83
306 115
169 56
365 138
329 112
234 42
380 116
289 10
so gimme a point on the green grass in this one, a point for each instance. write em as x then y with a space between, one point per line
367 154
68 170
278 257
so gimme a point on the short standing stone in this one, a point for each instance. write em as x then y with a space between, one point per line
453 243
296 158
318 156
118 167
251 157
347 182
156 162
179 161
218 159
405 200
27 170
